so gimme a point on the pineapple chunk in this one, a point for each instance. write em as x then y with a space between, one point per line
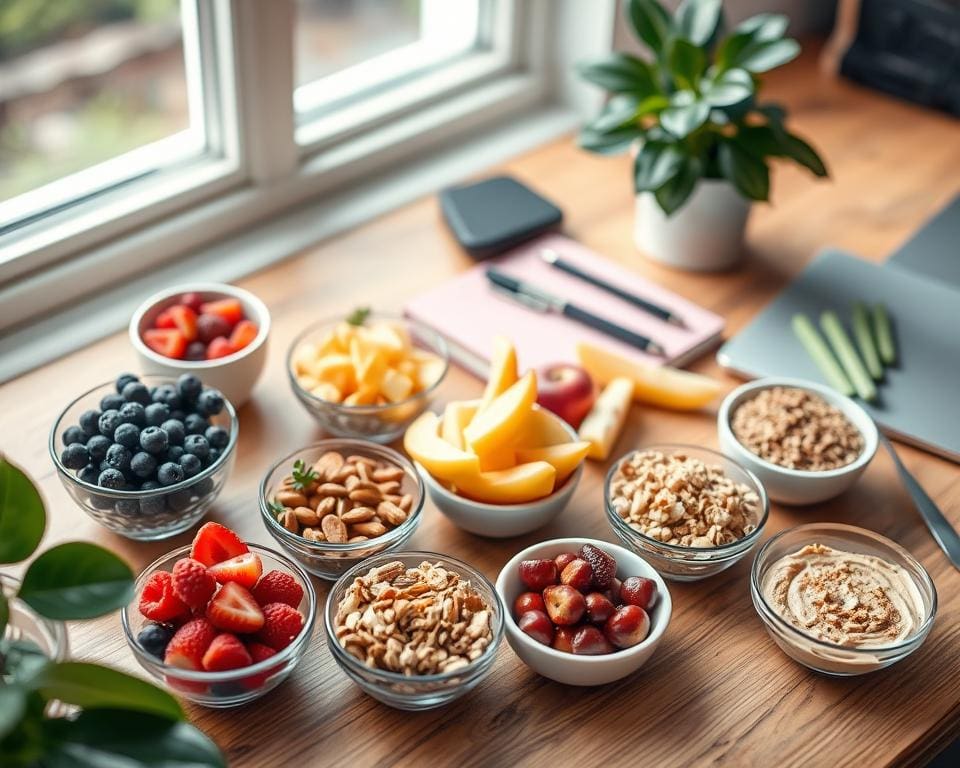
516 485
496 427
327 391
429 371
369 362
438 457
564 458
603 424
365 395
396 386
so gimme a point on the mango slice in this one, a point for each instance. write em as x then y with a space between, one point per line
564 458
503 371
663 386
456 416
516 485
541 429
496 426
442 460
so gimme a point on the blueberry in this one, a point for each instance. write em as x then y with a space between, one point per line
74 435
97 447
88 422
123 379
154 440
178 415
108 422
210 402
104 465
127 507
154 639
196 350
150 485
195 424
225 690
151 506
175 431
127 435
189 387
203 487
89 474
156 414
133 413
170 473
102 502
111 402
118 457
197 445
182 500
218 437
143 465
135 392
168 395
191 464
212 457
113 479
75 456
174 452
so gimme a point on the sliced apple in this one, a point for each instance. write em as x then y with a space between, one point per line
442 460
663 386
564 458
503 371
541 429
603 424
516 485
497 426
456 416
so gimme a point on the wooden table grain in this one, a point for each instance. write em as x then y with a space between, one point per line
717 691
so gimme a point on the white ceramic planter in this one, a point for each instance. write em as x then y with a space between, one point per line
704 235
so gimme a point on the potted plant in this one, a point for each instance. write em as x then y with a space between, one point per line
65 713
701 138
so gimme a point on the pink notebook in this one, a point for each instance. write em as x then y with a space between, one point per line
468 312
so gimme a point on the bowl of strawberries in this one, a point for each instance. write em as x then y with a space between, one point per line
220 622
216 331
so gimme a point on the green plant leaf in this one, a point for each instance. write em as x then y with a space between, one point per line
618 112
22 517
675 192
797 149
775 113
94 687
696 20
650 22
745 170
77 580
608 143
683 120
23 661
687 63
115 738
655 164
764 26
728 88
620 73
13 705
4 615
766 55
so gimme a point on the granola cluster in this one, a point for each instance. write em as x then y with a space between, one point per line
680 500
796 429
415 621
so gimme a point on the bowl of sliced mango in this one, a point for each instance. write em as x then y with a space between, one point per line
499 466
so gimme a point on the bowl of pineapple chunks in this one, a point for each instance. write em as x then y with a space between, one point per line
501 465
367 376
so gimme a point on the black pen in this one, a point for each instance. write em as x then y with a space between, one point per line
554 259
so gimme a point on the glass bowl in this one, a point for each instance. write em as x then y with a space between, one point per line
379 423
677 562
418 692
145 515
234 687
822 655
326 560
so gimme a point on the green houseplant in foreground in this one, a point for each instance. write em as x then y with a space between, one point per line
702 138
63 713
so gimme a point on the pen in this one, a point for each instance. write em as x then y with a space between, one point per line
555 260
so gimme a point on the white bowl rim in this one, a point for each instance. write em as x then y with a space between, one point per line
657 627
263 321
859 419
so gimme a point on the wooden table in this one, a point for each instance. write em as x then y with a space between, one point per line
717 690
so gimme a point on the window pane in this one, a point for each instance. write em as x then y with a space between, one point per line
348 49
83 81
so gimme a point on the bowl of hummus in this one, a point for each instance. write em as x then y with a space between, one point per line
842 600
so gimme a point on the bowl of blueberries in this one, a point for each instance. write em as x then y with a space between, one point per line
145 456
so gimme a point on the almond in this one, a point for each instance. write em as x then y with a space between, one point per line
289 521
365 496
384 474
291 498
357 515
326 506
391 513
372 528
306 516
334 529
332 489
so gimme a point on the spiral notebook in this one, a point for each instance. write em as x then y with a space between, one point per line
468 312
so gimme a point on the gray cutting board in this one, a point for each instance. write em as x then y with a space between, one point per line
920 397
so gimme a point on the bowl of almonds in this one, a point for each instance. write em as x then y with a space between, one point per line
339 501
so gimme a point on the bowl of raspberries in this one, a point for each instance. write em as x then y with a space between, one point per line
222 621
145 456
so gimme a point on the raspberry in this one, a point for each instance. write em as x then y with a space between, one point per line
259 652
158 601
604 566
193 583
278 587
280 626
187 647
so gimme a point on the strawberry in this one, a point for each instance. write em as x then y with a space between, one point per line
168 342
245 332
226 652
215 543
193 300
278 587
259 652
280 626
229 309
189 644
185 320
164 320
219 347
158 601
243 569
233 609
193 583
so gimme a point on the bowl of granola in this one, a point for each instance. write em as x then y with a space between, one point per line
806 442
415 630
690 512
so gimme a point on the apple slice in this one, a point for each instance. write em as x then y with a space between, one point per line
495 427
542 428
517 485
564 458
456 416
438 457
503 371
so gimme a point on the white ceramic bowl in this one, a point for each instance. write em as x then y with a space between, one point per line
567 667
796 486
234 375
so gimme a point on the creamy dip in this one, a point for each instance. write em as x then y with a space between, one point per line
847 598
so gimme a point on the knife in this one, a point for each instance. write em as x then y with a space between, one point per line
541 301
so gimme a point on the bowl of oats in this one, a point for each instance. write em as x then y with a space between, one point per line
688 511
806 442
